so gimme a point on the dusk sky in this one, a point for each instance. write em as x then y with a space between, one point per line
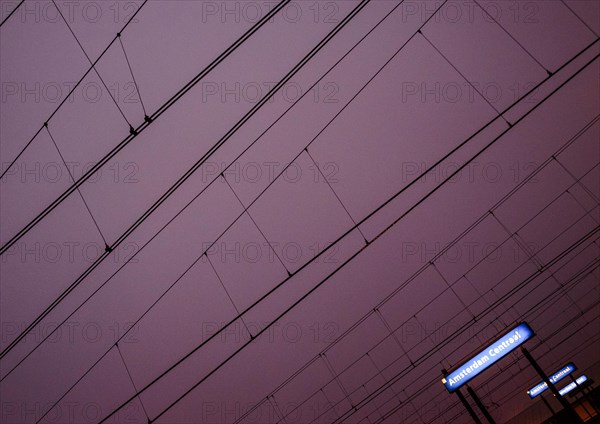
294 212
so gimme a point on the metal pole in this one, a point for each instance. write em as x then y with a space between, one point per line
480 405
548 406
470 410
565 404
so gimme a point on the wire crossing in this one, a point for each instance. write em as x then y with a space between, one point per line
87 272
352 257
195 167
381 206
93 66
232 48
273 401
72 89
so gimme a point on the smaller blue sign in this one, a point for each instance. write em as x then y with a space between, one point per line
488 356
554 378
572 385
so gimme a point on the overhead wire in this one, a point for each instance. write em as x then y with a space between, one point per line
63 17
92 64
369 215
71 91
458 332
95 168
106 158
344 263
423 307
530 177
594 265
101 258
11 13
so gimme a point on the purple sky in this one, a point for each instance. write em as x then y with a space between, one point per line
429 178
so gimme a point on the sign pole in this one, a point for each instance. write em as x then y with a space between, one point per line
565 404
548 406
480 405
470 410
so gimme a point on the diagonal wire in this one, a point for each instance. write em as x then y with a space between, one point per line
578 17
227 293
389 200
131 378
560 150
353 256
155 235
255 224
451 176
137 88
512 37
95 168
188 174
79 191
92 63
84 275
166 106
99 164
463 76
11 13
72 90
335 194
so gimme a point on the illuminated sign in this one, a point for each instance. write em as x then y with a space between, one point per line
501 347
554 378
572 385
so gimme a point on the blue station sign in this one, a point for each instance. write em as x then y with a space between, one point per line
495 351
554 378
571 386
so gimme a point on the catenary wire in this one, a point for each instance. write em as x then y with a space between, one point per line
92 64
233 47
512 191
471 137
92 170
71 91
294 304
99 260
11 13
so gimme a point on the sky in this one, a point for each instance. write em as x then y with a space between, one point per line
293 212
